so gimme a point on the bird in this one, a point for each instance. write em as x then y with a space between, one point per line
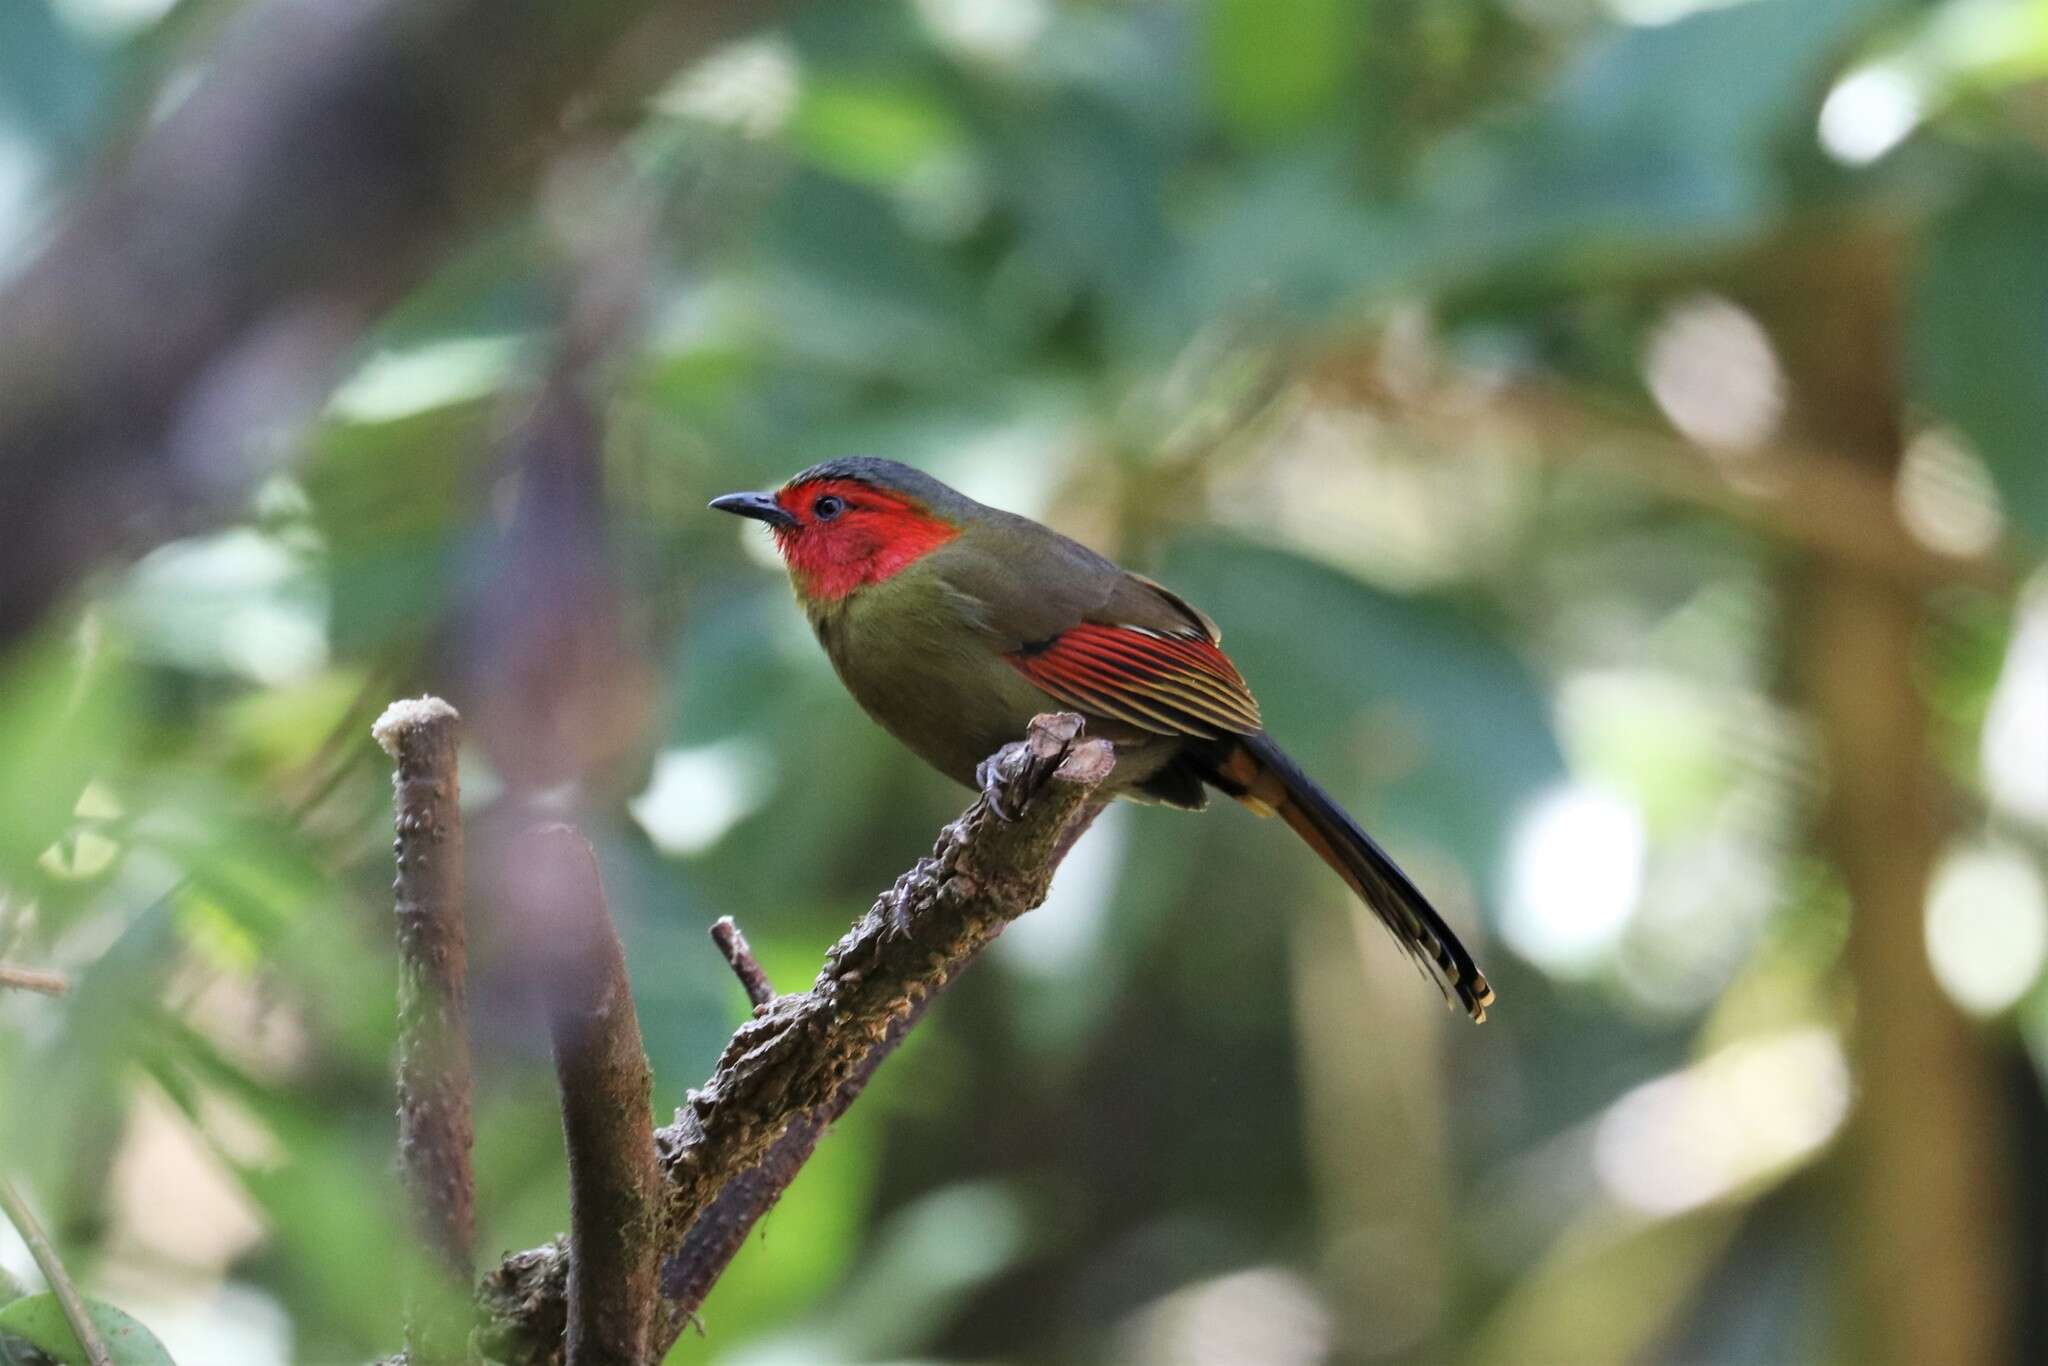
953 623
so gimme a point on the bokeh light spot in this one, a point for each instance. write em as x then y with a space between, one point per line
1869 112
1265 1315
1987 927
395 384
1945 496
695 795
1001 31
1695 1136
2014 749
750 87
1575 873
1712 370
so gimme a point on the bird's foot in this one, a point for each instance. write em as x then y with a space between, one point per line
987 775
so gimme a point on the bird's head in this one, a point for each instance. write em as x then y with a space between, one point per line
846 524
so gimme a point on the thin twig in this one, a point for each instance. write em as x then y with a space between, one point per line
33 979
725 932
68 1299
798 1062
435 1129
607 1118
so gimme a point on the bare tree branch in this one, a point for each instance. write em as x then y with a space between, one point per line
1804 493
801 1059
33 979
716 1237
725 932
203 295
435 1129
721 1230
607 1122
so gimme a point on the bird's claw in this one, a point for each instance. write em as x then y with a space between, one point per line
985 775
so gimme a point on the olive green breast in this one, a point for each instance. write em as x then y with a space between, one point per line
918 656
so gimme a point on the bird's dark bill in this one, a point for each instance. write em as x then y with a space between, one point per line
762 507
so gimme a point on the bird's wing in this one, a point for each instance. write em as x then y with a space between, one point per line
1163 682
1098 638
1139 600
1026 583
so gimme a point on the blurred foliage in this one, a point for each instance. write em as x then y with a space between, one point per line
36 1322
1986 326
1245 292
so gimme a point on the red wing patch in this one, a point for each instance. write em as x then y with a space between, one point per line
1168 684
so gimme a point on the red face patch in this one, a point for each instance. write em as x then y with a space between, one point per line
850 534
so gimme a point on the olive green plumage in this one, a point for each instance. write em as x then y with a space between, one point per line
923 651
953 624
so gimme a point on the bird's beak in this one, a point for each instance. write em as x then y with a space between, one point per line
762 507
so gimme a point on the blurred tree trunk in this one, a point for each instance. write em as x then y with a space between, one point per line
198 301
1924 1251
1372 1083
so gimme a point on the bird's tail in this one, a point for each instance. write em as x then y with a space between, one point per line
1258 773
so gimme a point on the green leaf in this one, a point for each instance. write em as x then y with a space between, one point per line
1634 158
1980 338
872 131
846 287
65 714
39 1321
76 1072
392 501
1659 140
1274 65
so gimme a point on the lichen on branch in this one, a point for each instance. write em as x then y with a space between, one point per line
435 1129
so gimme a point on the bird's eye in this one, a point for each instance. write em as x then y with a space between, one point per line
828 507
